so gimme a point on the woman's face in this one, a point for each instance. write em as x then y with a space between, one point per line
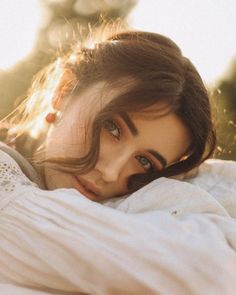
127 147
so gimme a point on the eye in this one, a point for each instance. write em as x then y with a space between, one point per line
112 128
145 163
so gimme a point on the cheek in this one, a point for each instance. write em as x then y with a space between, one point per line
67 139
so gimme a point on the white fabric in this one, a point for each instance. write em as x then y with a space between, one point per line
6 289
170 237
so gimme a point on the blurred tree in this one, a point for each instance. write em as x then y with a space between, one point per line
224 101
64 22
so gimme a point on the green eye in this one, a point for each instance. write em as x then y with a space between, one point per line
112 128
144 162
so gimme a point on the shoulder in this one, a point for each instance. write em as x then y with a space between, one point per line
218 178
15 158
7 161
11 175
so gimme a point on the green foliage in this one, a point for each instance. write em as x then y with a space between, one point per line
224 102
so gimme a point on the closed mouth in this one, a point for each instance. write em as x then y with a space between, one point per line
86 189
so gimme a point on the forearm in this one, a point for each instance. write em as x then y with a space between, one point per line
76 245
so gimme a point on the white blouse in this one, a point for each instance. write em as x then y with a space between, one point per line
170 237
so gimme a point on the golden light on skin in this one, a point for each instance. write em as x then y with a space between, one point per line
39 105
205 30
44 105
19 22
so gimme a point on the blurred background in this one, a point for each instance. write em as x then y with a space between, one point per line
32 32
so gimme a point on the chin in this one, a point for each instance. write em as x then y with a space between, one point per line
55 179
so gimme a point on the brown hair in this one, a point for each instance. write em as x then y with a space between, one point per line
160 73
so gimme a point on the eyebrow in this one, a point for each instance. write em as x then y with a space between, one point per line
134 131
159 157
130 124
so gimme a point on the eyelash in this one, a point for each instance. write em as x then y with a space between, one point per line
117 127
107 126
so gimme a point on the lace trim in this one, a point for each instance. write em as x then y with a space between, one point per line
11 175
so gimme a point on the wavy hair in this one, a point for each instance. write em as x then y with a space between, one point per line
159 73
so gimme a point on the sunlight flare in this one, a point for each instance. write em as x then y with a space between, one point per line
19 22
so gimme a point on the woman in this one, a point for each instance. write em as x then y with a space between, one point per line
119 115
101 123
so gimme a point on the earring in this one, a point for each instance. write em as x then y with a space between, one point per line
51 117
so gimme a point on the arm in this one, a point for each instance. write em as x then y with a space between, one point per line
60 240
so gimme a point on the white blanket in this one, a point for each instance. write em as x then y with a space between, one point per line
170 237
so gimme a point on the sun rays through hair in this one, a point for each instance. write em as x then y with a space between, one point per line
153 70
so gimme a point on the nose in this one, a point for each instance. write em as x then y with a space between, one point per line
111 165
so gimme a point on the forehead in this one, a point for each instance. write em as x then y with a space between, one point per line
95 97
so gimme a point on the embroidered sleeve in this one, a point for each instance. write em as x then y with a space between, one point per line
11 176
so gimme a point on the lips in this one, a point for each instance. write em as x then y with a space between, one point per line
87 188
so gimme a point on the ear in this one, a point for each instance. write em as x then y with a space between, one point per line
65 84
